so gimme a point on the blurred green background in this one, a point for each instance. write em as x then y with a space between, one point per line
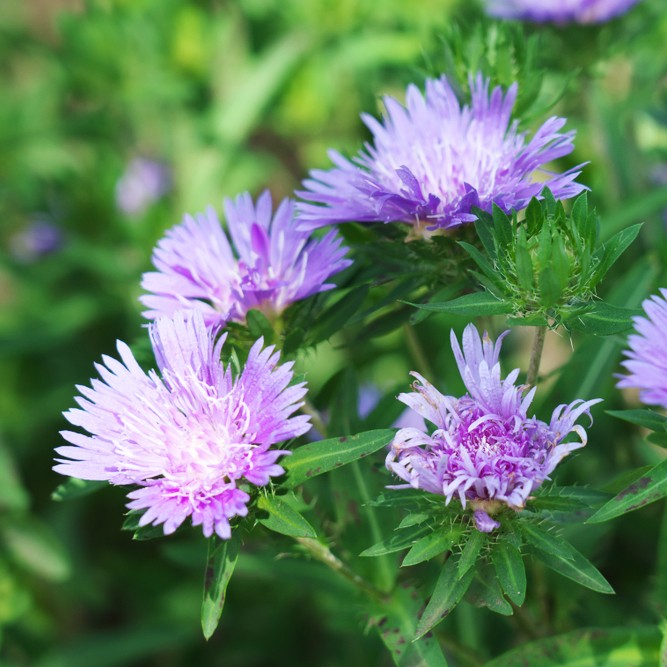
117 117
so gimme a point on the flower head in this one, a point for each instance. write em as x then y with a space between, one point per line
485 449
559 11
268 265
189 437
434 160
647 357
143 183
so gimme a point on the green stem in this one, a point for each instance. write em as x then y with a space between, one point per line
417 352
536 356
315 417
323 554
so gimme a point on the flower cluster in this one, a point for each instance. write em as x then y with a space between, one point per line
559 11
485 449
189 437
434 160
647 357
268 265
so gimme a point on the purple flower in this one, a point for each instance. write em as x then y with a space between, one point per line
144 182
268 265
485 449
39 238
434 160
647 357
189 437
559 11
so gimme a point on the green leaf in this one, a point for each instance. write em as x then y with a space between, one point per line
400 539
141 533
259 325
472 305
576 567
76 488
510 569
545 541
647 418
485 591
603 319
221 560
12 494
414 519
283 518
449 590
317 458
647 489
396 620
471 551
430 546
613 249
336 316
483 263
592 647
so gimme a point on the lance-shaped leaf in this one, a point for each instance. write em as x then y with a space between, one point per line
603 319
220 566
431 545
449 590
592 647
76 488
317 458
284 518
485 591
511 572
400 539
472 305
647 418
651 486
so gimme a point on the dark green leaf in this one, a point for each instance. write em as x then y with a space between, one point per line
258 325
613 249
220 565
317 458
647 489
603 319
283 518
141 533
471 551
510 569
647 418
335 318
449 590
472 305
545 541
398 540
76 488
485 591
431 545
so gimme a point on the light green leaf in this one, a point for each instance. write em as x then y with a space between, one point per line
471 551
650 487
221 560
472 305
317 458
283 518
400 539
431 546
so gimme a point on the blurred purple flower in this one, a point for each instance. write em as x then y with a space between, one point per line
433 161
647 357
485 450
277 264
191 437
559 11
39 238
144 182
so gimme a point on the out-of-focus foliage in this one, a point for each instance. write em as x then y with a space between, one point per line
226 96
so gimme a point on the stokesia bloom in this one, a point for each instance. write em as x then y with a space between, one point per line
191 438
268 265
434 160
647 357
559 11
143 183
485 451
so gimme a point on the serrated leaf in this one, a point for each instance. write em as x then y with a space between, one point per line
319 457
449 590
430 546
76 488
647 489
592 647
647 418
398 540
284 518
576 567
510 569
220 564
472 305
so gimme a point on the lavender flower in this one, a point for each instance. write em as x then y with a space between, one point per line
559 11
39 238
434 160
485 449
647 357
191 437
277 264
144 182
